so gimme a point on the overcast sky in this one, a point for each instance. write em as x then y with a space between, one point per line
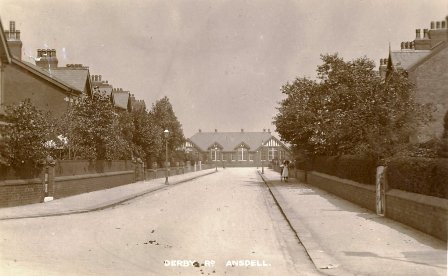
221 63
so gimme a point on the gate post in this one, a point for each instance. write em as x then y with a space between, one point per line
49 178
380 184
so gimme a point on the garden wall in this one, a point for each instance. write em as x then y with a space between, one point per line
72 177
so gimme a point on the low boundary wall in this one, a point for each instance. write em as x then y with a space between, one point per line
72 177
425 213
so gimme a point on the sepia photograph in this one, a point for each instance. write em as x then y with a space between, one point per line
223 137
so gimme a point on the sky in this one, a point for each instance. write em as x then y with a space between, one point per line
220 62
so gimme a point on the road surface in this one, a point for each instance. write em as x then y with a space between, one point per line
222 224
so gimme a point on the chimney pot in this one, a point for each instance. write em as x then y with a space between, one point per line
12 26
264 130
438 25
443 24
412 45
417 34
425 33
402 45
242 130
433 25
200 130
216 130
99 78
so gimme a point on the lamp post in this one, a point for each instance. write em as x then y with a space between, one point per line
216 158
261 157
260 160
166 133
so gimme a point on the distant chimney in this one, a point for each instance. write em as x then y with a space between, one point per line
47 59
417 34
242 130
13 40
199 130
216 130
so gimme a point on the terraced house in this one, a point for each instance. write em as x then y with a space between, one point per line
425 60
236 149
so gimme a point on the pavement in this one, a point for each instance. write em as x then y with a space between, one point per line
97 200
345 239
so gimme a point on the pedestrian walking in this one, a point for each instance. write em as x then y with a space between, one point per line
285 172
281 171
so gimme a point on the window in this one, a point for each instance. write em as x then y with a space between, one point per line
263 155
272 153
242 154
213 154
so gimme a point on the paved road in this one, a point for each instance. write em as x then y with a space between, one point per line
219 218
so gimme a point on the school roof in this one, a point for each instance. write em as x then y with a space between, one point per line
228 141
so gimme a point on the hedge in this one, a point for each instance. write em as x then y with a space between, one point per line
428 176
356 168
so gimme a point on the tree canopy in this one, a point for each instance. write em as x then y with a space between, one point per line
349 109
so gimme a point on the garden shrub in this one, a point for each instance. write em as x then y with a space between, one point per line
428 176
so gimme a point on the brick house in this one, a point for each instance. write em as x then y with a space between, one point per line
425 59
22 80
236 149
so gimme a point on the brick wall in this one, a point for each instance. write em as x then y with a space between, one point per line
78 184
21 192
360 194
425 213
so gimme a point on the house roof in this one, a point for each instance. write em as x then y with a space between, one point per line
4 50
76 78
406 59
45 75
229 140
120 99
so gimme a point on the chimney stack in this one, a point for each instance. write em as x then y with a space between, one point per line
13 40
48 59
417 34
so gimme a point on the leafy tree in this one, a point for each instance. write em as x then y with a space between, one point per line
349 109
163 116
93 130
28 131
444 143
146 136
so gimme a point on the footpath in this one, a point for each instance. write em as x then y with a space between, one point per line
345 239
96 200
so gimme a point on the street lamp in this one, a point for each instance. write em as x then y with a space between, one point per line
216 158
166 133
261 157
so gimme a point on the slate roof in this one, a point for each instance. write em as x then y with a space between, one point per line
407 58
230 140
45 74
120 99
76 78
